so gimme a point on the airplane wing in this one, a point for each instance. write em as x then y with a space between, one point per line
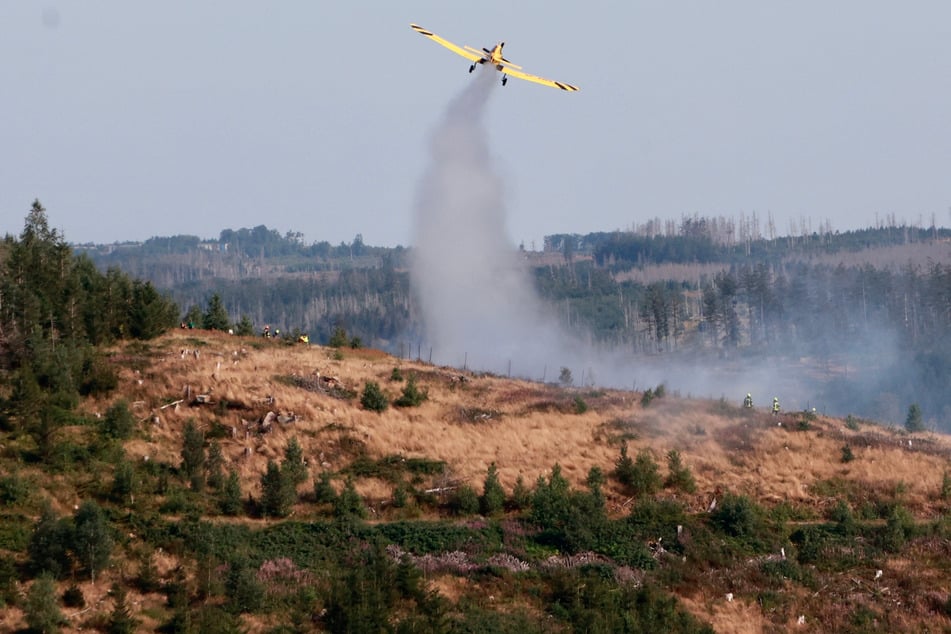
540 80
458 50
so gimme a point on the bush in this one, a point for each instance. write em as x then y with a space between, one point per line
373 398
640 476
679 475
42 609
737 516
493 496
339 338
847 455
349 504
913 422
464 501
230 499
412 396
118 422
521 495
324 492
73 597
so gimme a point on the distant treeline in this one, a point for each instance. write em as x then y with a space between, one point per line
621 251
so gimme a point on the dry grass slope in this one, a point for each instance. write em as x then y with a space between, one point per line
470 421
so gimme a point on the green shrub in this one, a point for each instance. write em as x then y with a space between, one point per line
464 501
349 504
118 422
521 495
73 597
230 500
373 398
580 406
913 421
493 495
737 516
339 338
411 396
42 609
640 476
14 489
324 492
678 474
847 455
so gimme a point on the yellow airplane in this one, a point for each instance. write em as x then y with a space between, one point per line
494 58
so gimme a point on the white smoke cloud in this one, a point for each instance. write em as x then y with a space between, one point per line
478 302
477 299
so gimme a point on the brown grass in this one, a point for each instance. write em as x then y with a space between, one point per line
523 427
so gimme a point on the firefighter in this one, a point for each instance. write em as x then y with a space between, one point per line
748 401
775 405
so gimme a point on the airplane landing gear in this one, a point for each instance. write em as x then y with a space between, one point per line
504 79
472 68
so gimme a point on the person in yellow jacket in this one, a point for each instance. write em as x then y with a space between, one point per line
775 405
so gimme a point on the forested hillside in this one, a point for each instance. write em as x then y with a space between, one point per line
871 308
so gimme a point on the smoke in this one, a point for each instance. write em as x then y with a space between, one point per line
478 304
480 309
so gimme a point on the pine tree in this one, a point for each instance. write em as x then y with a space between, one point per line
349 504
49 544
293 465
323 489
679 475
373 397
339 338
214 464
913 422
120 621
215 316
521 494
275 501
411 396
42 609
230 501
123 482
92 539
150 314
493 496
193 455
244 328
118 422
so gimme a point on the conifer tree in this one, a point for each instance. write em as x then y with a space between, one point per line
493 496
215 316
230 500
42 609
193 455
275 500
92 538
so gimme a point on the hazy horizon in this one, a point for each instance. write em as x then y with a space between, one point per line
129 121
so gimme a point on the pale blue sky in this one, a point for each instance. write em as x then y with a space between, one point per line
129 120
